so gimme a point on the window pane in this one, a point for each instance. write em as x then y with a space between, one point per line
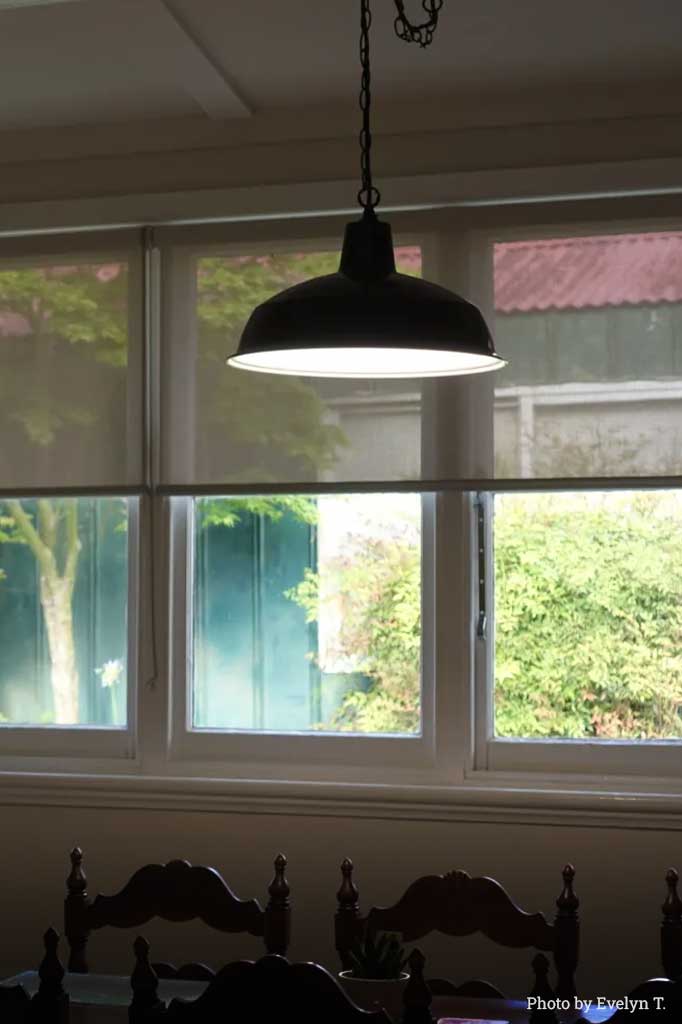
259 428
592 329
307 614
70 394
588 615
63 608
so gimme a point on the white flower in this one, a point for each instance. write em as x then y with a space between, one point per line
110 672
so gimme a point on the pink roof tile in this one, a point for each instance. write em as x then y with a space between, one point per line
582 273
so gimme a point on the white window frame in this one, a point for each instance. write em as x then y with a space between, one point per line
424 759
68 748
57 748
460 771
322 756
607 764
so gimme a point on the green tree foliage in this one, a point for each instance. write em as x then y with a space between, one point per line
271 420
72 319
588 615
588 606
375 586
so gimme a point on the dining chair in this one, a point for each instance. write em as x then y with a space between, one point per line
671 928
656 1001
256 992
456 904
176 891
14 1003
50 1004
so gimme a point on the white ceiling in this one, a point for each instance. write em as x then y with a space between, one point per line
91 62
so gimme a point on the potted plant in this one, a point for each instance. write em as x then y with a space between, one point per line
376 975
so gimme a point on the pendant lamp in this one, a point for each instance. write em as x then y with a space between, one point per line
367 320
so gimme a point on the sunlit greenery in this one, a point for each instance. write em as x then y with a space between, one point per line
589 615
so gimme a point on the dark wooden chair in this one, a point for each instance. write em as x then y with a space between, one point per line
176 891
14 1003
657 1001
251 992
456 904
50 1004
671 929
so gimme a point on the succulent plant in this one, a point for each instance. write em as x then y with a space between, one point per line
380 959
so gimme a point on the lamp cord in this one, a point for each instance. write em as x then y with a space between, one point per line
369 196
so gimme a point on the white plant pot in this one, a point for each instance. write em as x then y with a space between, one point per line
373 993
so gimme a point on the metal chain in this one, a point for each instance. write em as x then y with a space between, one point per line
369 196
423 33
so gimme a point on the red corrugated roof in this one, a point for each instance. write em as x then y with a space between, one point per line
580 273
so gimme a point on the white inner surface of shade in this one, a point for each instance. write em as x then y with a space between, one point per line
366 362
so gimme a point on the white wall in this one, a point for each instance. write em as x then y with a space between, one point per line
619 881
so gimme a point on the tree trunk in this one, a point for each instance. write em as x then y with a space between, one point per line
56 596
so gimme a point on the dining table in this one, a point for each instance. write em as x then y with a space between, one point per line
104 998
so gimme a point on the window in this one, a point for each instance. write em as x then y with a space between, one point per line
588 615
307 614
451 584
71 461
583 669
303 604
63 601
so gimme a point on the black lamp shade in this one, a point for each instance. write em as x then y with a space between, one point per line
367 320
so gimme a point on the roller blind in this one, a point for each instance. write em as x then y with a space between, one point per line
591 322
71 377
226 428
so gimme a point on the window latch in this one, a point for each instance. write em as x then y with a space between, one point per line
482 623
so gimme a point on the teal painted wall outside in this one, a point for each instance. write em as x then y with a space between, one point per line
253 668
99 609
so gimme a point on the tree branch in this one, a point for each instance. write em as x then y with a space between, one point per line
73 543
42 553
47 524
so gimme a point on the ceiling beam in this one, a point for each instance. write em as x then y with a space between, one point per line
198 72
178 52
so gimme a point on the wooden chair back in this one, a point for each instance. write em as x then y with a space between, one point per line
176 891
671 929
50 1004
456 904
14 1004
658 1000
251 993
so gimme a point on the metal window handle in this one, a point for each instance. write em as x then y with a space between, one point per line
482 623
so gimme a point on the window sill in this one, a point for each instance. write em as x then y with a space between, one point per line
483 798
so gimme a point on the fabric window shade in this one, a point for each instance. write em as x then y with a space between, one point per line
225 428
71 382
592 326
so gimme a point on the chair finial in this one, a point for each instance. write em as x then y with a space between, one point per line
568 902
671 927
672 907
348 893
278 889
76 883
144 983
50 1003
541 990
417 996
